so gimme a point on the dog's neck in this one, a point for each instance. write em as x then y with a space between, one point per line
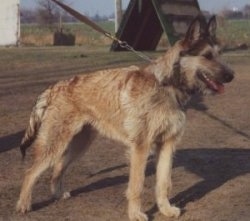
162 67
167 71
179 83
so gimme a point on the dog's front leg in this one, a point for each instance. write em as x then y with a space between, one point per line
138 160
163 179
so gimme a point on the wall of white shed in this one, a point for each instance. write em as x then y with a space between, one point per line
9 22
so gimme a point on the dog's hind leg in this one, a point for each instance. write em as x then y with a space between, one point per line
51 143
24 202
138 160
163 179
76 148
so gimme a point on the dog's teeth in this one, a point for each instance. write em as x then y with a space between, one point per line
205 76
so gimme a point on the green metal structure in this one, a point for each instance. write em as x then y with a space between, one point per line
145 21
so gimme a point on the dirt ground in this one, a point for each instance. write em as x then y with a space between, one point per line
211 175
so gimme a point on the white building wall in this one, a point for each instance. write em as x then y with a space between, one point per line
9 22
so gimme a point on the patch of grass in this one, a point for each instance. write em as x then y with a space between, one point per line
70 59
234 32
231 32
36 35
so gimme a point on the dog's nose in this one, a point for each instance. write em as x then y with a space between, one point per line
228 77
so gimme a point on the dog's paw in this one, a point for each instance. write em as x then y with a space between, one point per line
66 195
22 207
170 211
138 216
61 196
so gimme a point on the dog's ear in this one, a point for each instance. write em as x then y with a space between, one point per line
212 26
195 31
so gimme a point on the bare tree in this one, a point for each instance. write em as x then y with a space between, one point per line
246 11
27 15
47 12
231 14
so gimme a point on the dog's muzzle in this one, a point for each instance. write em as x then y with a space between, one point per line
228 77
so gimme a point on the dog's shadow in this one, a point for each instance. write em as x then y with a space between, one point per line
214 166
10 141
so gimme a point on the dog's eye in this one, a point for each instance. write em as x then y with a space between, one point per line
208 56
220 51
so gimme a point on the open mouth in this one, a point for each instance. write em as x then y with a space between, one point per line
211 84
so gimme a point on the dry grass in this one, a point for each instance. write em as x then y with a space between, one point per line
232 33
45 39
36 35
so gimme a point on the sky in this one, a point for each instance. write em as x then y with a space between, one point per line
106 7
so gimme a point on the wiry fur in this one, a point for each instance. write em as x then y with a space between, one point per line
142 107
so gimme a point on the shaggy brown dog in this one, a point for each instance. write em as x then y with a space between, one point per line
142 107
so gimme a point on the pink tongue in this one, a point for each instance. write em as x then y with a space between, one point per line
221 88
216 86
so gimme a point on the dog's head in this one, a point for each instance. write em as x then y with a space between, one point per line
200 68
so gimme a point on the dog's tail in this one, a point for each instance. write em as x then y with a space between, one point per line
35 121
